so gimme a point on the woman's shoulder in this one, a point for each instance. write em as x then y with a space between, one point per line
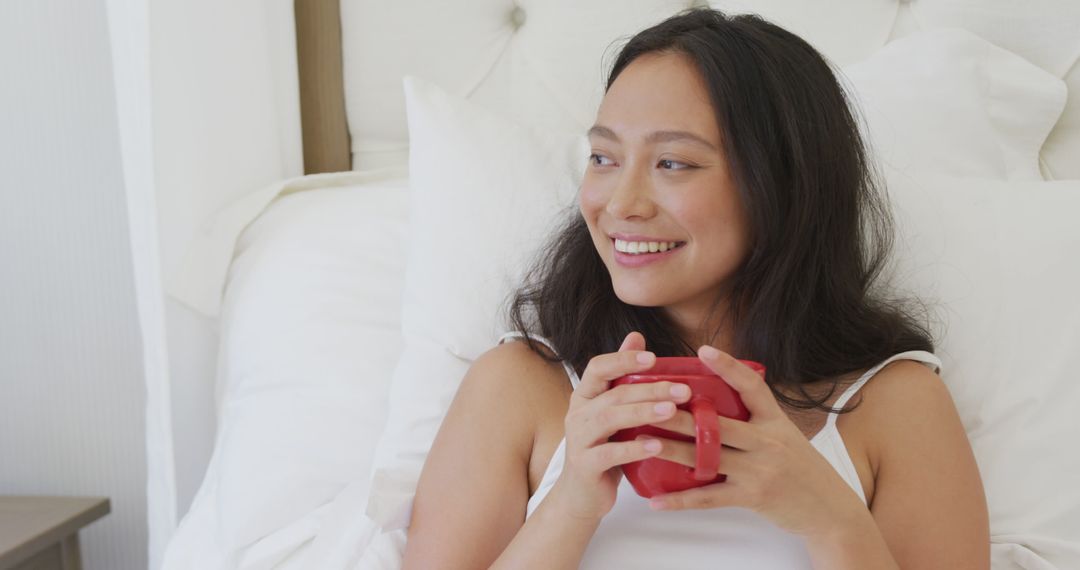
494 420
545 394
515 354
531 379
900 395
923 464
908 379
901 390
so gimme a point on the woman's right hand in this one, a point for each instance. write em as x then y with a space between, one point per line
587 486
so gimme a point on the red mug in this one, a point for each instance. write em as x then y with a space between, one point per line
710 396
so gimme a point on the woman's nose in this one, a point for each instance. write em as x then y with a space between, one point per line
632 196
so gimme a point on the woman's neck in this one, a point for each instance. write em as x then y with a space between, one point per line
703 327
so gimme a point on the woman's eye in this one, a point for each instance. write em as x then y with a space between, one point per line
597 159
673 164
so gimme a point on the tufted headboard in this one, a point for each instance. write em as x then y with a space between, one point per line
543 62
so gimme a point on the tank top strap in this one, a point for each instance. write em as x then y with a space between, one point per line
574 380
933 362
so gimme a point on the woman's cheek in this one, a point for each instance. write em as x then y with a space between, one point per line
592 201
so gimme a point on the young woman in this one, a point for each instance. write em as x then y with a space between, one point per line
725 149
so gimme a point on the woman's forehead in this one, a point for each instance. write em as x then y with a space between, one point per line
657 93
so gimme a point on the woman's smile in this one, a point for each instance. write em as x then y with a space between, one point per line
638 254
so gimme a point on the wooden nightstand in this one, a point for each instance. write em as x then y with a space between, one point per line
42 533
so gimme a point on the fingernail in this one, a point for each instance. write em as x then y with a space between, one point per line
657 505
709 352
680 390
664 407
652 446
645 357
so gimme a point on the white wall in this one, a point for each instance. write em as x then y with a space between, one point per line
222 114
71 381
226 122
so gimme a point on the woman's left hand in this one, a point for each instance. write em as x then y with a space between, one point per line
770 465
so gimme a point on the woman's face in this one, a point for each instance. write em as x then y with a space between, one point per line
657 174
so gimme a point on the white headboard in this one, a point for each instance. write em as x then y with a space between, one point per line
544 62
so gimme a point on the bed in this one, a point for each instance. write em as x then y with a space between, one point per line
344 327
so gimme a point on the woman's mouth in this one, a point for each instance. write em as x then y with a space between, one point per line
637 254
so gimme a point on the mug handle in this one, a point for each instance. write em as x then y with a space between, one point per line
707 430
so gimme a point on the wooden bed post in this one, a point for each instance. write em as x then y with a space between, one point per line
322 90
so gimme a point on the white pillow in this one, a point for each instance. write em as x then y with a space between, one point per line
948 101
485 193
310 336
1044 32
1062 147
997 262
495 186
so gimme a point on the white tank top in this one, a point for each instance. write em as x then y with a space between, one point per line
634 536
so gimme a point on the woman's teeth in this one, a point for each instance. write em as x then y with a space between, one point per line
634 247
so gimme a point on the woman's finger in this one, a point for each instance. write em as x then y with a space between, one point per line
647 392
726 494
682 422
604 368
681 452
738 434
614 418
732 461
607 455
633 341
752 389
733 433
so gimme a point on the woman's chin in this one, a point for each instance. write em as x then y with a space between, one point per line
638 297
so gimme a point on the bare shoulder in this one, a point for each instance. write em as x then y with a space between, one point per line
515 355
901 392
928 496
475 484
516 372
545 395
908 382
515 385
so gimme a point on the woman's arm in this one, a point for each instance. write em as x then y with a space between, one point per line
550 539
928 502
473 491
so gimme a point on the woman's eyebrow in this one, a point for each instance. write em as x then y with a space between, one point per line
653 137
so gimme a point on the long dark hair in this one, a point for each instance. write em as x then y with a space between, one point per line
806 302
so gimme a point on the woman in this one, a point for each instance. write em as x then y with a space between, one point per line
725 148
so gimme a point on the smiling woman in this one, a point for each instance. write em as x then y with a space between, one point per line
728 209
665 174
750 155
